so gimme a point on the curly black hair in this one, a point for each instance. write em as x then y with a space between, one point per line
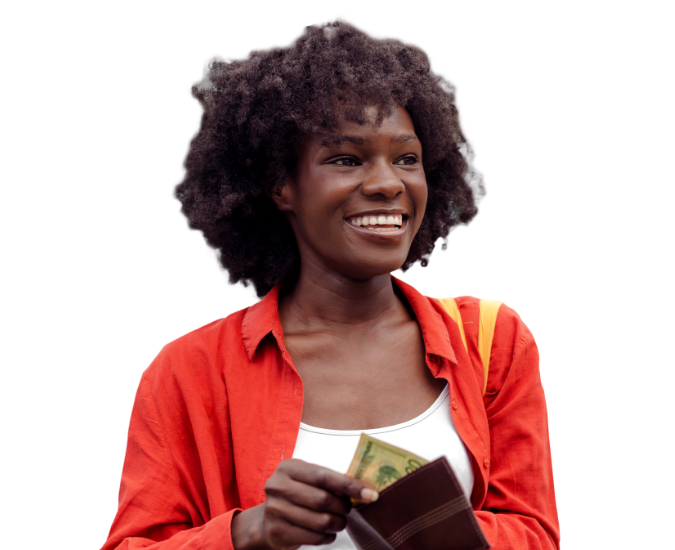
256 112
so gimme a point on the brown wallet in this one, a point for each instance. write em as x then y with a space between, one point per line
425 510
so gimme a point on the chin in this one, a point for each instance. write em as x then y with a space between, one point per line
371 267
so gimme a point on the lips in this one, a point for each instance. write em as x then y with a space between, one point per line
379 222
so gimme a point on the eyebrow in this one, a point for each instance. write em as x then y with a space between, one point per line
357 140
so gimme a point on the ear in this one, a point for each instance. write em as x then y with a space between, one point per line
280 192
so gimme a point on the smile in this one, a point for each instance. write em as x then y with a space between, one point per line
379 223
382 235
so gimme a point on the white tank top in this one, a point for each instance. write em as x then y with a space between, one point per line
430 435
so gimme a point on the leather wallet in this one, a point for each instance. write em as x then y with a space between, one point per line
425 510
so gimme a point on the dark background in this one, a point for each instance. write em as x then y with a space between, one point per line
161 281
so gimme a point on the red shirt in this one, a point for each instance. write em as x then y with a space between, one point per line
219 408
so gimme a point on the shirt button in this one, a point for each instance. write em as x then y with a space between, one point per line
486 463
454 405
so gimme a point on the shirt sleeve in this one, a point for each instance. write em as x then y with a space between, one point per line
156 508
519 511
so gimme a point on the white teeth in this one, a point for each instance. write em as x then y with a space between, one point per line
380 219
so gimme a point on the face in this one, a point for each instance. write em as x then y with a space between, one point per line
357 198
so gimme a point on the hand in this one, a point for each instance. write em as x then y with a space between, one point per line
305 504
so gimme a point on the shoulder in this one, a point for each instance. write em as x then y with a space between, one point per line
513 352
509 327
199 351
513 349
508 322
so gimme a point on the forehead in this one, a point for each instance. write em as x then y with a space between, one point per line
397 127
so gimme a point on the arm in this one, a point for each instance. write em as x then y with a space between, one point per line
519 511
247 529
156 509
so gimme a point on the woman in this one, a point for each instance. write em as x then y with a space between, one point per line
318 170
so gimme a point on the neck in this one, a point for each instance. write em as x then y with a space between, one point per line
319 300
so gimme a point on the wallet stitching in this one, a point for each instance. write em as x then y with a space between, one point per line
432 517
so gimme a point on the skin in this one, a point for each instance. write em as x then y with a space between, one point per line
344 286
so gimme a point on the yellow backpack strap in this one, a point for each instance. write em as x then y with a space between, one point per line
450 306
486 332
486 329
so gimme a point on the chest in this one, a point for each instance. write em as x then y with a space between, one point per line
362 381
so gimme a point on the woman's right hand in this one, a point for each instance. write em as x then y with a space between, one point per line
305 504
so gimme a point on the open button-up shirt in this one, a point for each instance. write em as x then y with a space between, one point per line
220 407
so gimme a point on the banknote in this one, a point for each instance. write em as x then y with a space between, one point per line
380 464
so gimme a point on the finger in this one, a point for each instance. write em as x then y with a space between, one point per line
292 533
320 500
311 520
332 481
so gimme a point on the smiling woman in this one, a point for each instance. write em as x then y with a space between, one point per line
318 170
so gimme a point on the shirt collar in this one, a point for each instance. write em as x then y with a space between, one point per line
263 318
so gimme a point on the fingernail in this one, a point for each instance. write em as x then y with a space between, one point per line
369 495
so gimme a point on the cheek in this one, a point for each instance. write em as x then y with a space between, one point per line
420 195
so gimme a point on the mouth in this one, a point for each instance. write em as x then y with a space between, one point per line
381 234
378 223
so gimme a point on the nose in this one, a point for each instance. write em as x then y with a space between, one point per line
382 179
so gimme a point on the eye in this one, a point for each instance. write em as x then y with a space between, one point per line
411 157
338 160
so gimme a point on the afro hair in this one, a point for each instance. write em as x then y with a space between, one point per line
257 111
